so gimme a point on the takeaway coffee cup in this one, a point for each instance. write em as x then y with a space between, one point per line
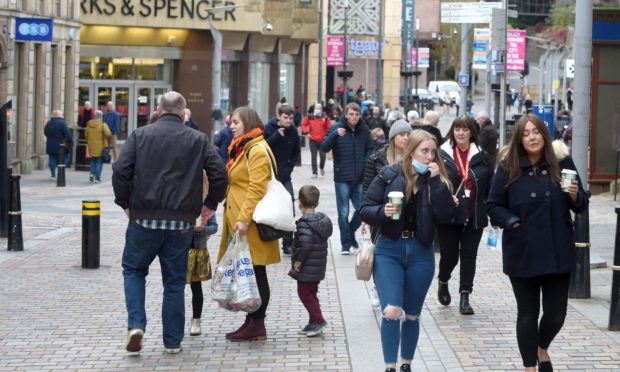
396 198
568 175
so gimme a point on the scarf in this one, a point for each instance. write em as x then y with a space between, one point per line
236 146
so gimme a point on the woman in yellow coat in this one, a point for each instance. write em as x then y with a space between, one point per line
249 171
97 135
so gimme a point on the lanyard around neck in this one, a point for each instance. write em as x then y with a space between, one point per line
462 164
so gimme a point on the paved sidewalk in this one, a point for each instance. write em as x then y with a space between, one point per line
57 315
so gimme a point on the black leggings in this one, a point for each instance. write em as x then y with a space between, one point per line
197 299
263 289
458 241
531 334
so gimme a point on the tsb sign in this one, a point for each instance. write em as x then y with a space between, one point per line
33 29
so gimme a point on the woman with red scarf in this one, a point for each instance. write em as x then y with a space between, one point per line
249 171
470 172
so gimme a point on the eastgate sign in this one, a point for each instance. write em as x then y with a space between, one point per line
363 48
169 9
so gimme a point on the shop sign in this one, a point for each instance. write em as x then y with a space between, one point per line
515 51
335 50
33 29
363 48
423 58
168 9
481 48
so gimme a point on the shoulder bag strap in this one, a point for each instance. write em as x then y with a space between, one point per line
273 166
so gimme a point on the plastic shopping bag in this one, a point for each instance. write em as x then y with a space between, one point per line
234 281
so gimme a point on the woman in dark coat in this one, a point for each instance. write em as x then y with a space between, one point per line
58 136
528 202
470 172
404 260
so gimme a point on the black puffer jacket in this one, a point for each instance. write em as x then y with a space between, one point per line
481 172
392 178
376 161
310 247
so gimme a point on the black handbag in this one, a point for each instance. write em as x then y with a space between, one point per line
106 157
268 233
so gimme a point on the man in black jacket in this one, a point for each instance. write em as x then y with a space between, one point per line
158 181
283 139
350 142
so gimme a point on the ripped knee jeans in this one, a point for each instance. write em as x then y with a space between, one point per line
403 271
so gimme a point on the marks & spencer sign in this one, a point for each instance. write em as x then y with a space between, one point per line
173 10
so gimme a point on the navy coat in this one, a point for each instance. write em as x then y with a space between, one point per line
285 148
350 151
481 172
56 131
222 140
428 214
544 242
310 247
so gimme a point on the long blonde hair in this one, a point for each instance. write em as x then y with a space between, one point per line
416 137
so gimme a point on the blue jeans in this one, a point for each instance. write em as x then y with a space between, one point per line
403 271
287 239
346 191
53 162
142 245
96 166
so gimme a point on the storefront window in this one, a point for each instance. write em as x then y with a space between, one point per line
287 82
259 97
124 68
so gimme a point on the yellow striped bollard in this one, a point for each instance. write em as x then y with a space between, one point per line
91 213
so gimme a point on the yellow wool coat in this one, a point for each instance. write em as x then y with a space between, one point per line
245 190
97 134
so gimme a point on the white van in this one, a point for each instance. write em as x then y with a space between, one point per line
438 87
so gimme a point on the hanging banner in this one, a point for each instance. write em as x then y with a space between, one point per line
481 48
335 50
423 58
407 32
515 50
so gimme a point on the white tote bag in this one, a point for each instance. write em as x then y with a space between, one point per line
274 209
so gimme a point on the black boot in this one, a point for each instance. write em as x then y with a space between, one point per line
443 293
405 368
464 307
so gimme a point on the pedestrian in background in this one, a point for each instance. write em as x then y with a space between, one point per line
58 136
309 259
538 246
188 119
488 135
430 123
162 202
222 139
249 170
85 114
97 138
470 172
315 126
350 142
404 260
283 139
113 121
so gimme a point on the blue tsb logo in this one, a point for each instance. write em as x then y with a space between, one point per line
36 29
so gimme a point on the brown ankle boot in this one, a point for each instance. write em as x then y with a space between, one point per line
255 330
245 324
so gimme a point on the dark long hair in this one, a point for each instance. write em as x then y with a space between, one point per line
463 121
511 154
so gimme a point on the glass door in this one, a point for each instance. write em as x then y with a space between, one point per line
144 101
124 108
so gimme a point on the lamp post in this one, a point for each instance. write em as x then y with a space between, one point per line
345 72
380 56
417 53
319 91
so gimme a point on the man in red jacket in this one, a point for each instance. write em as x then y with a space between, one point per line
315 125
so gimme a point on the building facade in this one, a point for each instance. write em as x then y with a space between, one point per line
37 76
132 51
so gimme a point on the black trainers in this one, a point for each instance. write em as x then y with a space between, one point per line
443 293
405 368
304 331
316 329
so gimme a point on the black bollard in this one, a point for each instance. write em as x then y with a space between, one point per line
91 213
60 169
580 278
614 308
16 238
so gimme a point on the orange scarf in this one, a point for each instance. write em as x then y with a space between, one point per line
236 146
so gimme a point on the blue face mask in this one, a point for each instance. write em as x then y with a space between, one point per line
380 140
421 168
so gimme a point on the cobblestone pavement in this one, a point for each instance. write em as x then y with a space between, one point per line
57 315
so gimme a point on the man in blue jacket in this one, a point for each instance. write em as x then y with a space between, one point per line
282 137
350 143
113 120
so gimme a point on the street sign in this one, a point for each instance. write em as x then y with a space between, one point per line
545 112
569 65
513 13
498 27
423 58
467 12
481 48
464 80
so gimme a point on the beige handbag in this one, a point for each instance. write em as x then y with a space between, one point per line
364 259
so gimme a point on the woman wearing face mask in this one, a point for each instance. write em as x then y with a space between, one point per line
470 171
404 256
315 125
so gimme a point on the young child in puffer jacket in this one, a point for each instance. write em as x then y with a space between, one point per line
309 258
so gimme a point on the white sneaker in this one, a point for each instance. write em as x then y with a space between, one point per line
134 340
194 329
345 253
374 297
173 350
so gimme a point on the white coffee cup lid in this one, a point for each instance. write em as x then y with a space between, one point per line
569 171
396 194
